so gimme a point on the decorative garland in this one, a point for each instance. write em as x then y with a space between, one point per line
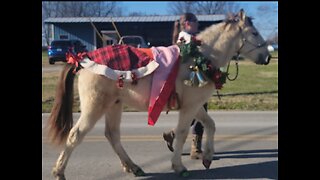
201 64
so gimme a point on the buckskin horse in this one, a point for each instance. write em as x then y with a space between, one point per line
100 96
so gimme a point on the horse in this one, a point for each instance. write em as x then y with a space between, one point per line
100 96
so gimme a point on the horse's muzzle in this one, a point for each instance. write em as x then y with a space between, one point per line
264 60
267 60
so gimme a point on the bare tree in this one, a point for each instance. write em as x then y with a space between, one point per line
180 7
210 7
267 14
136 14
77 9
204 7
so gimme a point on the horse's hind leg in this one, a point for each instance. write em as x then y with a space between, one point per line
85 123
112 133
209 127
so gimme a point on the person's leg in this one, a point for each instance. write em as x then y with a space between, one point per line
197 129
169 137
197 132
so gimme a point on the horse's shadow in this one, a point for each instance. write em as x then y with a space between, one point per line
267 169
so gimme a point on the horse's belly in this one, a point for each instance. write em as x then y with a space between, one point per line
137 96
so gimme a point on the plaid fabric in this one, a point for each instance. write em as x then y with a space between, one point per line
120 57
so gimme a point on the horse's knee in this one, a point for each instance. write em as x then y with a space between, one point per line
73 138
107 135
212 125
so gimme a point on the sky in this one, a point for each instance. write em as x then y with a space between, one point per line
267 25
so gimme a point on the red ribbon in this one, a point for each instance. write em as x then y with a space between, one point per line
120 81
134 78
74 59
216 79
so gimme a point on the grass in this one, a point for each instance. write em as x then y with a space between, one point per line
256 88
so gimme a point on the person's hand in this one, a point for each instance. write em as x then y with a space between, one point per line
176 23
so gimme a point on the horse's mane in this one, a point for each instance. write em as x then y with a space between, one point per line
214 41
214 31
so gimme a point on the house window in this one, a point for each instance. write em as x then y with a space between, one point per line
62 36
109 42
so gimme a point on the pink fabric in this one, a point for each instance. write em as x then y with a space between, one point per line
167 57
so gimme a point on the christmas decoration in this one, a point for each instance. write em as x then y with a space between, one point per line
202 66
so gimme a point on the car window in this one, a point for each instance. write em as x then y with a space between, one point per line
61 43
131 41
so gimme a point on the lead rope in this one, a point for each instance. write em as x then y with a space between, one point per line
237 69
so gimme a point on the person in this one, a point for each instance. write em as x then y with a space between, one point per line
188 24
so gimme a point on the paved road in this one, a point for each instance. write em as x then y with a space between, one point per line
246 145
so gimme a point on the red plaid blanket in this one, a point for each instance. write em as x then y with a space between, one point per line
120 57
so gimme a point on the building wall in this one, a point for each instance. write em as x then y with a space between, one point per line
81 31
157 33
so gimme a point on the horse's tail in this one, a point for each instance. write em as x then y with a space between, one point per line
60 121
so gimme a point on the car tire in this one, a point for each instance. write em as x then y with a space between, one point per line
51 61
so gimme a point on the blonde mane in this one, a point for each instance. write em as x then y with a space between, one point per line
218 42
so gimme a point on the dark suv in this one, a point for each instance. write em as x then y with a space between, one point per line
58 49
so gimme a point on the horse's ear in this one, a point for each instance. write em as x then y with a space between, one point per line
242 15
230 16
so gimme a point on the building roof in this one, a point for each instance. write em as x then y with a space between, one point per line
168 18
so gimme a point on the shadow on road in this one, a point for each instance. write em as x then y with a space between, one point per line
246 171
261 170
262 153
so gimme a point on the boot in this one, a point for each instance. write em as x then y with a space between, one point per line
196 152
169 137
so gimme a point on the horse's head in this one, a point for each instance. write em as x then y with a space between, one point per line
251 44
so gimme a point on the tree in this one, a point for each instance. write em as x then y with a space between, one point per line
77 9
268 20
136 14
180 7
204 7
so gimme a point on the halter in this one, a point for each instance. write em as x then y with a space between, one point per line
244 41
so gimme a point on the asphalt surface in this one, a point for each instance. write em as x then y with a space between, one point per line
246 147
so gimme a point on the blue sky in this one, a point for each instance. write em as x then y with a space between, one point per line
266 24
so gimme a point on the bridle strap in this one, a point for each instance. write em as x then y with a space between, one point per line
244 41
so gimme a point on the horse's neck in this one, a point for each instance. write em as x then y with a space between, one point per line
218 45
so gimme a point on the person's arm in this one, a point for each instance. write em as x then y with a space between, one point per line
184 35
176 30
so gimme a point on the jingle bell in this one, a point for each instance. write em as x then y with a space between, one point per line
201 80
191 80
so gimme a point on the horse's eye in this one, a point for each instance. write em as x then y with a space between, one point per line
255 33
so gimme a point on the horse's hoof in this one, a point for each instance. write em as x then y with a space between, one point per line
185 173
60 178
139 172
126 170
57 175
206 163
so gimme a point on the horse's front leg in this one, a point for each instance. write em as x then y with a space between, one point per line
209 128
112 133
185 118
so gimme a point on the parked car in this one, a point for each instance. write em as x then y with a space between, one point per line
135 41
58 49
